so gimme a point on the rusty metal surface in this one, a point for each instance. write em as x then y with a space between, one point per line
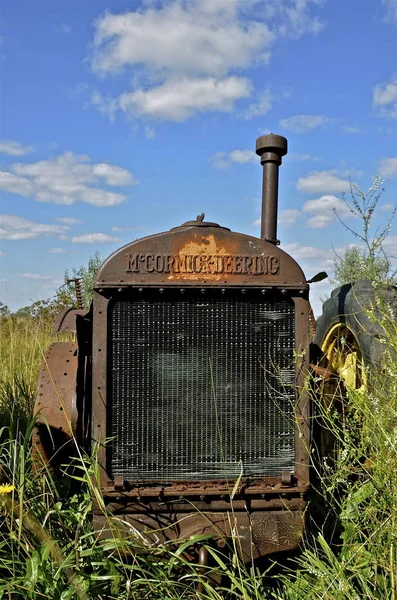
269 486
270 148
255 533
122 503
56 404
199 222
268 512
200 256
302 412
66 320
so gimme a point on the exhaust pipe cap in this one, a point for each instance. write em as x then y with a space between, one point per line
276 144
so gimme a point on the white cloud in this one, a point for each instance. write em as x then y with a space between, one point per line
68 220
391 11
36 276
106 105
388 168
178 100
385 97
57 251
243 156
13 227
198 45
317 182
387 207
262 107
390 246
223 160
320 221
2 253
187 39
295 19
115 176
301 252
67 179
93 238
323 211
288 216
303 123
14 148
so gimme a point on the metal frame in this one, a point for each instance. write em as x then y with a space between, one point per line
268 512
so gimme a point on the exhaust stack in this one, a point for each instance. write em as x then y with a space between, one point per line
270 148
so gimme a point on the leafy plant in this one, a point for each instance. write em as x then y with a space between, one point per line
367 260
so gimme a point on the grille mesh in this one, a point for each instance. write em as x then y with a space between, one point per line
200 388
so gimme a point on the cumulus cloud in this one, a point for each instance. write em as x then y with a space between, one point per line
179 100
185 54
387 207
390 246
67 179
323 211
385 97
317 182
189 39
303 123
223 160
388 168
259 108
13 148
106 105
301 252
288 216
93 238
13 227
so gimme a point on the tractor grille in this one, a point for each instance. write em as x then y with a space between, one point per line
201 387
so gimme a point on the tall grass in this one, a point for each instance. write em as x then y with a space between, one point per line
22 344
358 488
48 548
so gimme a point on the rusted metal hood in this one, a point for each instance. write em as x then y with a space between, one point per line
200 255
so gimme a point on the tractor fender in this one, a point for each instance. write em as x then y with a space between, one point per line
55 406
66 320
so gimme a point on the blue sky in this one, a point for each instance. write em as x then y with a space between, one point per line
121 119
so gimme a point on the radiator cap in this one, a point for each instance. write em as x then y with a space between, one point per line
199 222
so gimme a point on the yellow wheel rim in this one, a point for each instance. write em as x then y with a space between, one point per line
344 356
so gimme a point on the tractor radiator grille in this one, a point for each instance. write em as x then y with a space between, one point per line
201 387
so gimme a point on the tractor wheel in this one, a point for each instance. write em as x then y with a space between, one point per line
349 340
347 349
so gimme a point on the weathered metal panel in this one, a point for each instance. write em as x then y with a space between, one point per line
200 256
65 321
55 404
254 533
